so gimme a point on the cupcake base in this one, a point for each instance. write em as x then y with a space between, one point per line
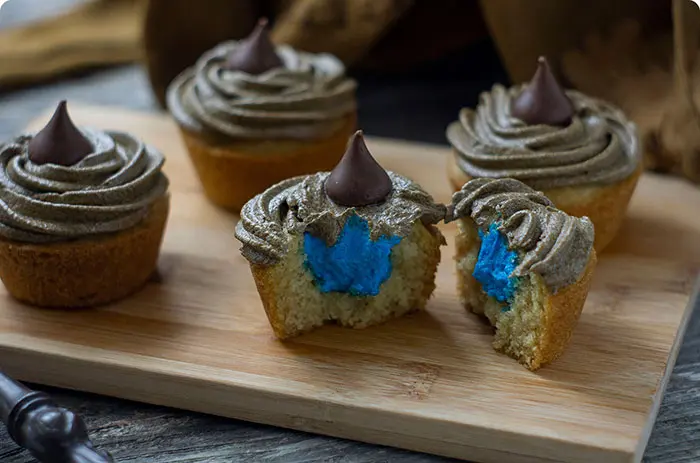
538 326
85 272
233 173
294 304
605 205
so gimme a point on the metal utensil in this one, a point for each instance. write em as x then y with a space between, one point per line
51 433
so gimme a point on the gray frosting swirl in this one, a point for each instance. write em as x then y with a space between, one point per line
599 146
307 98
300 204
550 243
110 190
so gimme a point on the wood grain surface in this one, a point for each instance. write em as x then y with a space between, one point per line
196 338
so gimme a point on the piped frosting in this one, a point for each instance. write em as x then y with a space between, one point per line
308 96
303 205
109 190
549 242
599 146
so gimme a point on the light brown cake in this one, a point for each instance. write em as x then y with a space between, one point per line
294 304
84 272
232 172
83 214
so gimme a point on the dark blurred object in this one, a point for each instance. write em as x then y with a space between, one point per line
176 32
679 132
378 35
418 103
427 31
653 75
523 31
51 434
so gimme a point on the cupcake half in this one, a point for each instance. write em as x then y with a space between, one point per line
252 114
356 246
523 264
82 214
583 153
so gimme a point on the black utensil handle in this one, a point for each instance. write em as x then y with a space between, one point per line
51 433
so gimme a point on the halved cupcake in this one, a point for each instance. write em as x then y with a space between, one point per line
355 246
523 264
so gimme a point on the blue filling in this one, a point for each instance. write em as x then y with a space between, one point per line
495 265
354 264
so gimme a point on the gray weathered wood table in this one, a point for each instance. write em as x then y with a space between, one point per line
147 434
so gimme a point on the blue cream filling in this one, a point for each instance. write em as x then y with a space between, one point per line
495 265
355 264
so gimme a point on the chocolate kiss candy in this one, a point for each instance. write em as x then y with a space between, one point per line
60 142
255 54
543 101
358 180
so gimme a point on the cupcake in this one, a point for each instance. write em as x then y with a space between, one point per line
523 264
252 114
581 152
82 214
356 246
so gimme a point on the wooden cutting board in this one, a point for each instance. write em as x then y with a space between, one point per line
196 337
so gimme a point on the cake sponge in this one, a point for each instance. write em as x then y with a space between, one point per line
294 304
537 325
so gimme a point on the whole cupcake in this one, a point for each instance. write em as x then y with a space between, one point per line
583 153
522 263
356 246
82 214
252 114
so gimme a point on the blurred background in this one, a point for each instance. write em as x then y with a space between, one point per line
417 61
413 96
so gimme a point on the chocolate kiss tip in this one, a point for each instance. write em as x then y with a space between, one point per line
358 180
59 142
543 101
255 54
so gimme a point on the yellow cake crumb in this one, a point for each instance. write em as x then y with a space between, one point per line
537 325
295 305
